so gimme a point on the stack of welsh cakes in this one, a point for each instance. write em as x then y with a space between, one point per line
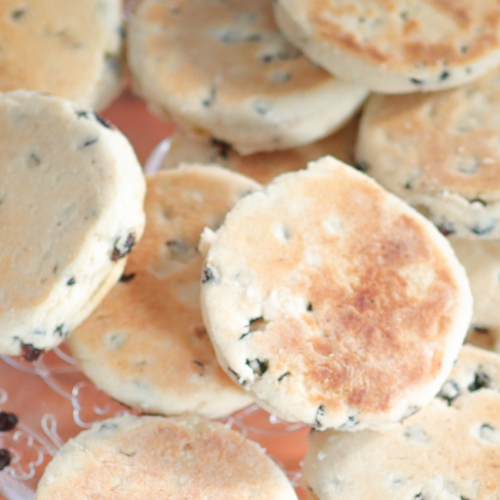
330 295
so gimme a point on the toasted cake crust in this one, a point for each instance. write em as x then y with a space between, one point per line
396 46
70 49
439 152
224 69
308 303
155 457
450 449
146 344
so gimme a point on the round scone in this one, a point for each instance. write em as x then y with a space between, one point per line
439 152
332 301
72 49
223 68
261 166
71 205
481 260
146 344
141 458
450 450
396 46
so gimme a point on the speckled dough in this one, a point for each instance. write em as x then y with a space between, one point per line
146 344
396 46
69 48
448 451
71 196
261 166
441 153
222 67
481 260
332 301
144 458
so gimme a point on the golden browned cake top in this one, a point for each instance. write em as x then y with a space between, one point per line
333 301
406 33
227 51
451 449
436 142
162 458
58 46
146 344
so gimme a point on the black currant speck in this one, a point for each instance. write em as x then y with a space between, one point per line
449 392
261 107
117 254
107 426
319 413
362 166
5 458
281 377
444 75
103 121
211 98
88 143
222 148
481 380
259 367
34 160
127 454
480 230
208 275
446 228
478 200
17 14
481 329
8 421
30 353
125 278
417 81
71 281
59 330
350 423
89 115
255 37
199 365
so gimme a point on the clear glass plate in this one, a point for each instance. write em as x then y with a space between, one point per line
55 401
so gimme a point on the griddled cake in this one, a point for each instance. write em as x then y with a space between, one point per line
146 344
332 301
224 69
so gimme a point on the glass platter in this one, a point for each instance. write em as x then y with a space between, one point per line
54 400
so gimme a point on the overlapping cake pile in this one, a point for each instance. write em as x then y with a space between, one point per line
255 266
